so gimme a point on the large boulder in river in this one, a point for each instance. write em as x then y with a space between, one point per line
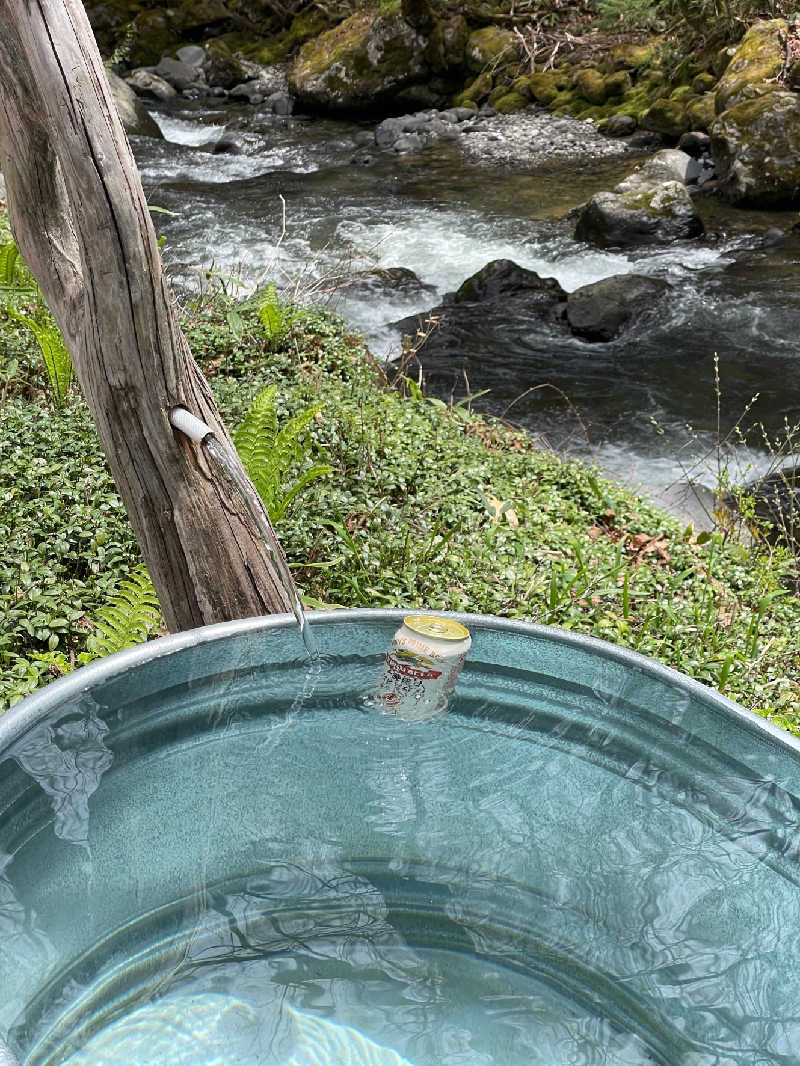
136 119
757 61
602 310
503 279
755 140
651 206
359 63
501 295
756 148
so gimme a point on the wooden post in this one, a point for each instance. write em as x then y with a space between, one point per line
79 215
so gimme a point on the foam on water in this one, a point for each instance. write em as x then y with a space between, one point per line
185 131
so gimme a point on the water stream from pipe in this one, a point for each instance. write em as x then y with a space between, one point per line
231 469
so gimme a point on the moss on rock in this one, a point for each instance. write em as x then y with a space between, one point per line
500 90
701 112
682 93
475 92
759 57
618 84
447 44
591 85
756 145
703 83
358 63
490 46
523 87
665 116
153 35
632 56
510 103
545 86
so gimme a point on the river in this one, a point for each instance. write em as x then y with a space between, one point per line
296 208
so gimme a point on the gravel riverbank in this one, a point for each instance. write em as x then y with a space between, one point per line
535 137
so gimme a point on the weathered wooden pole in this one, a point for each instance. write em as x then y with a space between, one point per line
79 215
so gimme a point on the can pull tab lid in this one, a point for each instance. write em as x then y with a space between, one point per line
439 628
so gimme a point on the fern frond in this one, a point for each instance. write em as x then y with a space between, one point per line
268 454
255 436
316 471
9 258
54 353
277 317
129 617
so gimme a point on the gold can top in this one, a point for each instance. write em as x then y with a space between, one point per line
439 628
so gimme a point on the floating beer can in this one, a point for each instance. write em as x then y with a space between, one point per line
422 666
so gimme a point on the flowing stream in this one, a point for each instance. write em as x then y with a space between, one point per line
303 205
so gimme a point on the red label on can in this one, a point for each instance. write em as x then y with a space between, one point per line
411 671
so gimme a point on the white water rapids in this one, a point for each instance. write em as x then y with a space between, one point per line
646 403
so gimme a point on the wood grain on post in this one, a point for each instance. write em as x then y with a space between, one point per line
79 215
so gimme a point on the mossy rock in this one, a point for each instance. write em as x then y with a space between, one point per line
357 65
193 18
544 86
756 147
222 66
657 215
682 93
618 84
523 87
447 44
721 60
701 112
703 83
631 56
490 46
153 35
510 103
475 92
566 103
758 57
667 117
591 85
500 90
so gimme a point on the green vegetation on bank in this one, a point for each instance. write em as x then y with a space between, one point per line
425 505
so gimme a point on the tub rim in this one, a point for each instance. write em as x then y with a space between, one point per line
21 716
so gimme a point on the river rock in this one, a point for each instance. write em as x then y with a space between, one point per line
758 60
491 46
666 116
777 502
696 143
136 119
180 75
602 310
650 206
226 145
756 148
505 278
501 294
618 125
447 42
406 133
146 83
359 63
255 92
192 55
223 68
388 280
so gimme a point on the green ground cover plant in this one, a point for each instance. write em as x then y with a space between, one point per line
424 506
